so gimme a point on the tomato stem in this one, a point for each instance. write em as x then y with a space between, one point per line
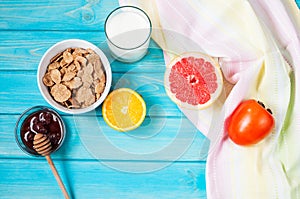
262 104
269 110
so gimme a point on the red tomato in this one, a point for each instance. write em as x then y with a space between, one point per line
249 123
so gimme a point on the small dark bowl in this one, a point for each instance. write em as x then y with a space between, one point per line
21 120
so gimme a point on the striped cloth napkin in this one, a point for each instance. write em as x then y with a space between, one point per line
257 45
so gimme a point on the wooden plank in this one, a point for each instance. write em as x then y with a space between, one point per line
163 139
55 15
22 50
91 179
19 91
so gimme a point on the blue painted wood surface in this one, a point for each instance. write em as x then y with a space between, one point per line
27 30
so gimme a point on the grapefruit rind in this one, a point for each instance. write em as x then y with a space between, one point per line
108 99
213 96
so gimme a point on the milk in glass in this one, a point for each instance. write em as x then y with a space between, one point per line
128 31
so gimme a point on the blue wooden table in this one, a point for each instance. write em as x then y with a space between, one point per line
140 164
164 158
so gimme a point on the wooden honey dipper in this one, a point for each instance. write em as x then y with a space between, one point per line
42 145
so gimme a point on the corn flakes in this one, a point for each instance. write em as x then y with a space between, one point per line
75 77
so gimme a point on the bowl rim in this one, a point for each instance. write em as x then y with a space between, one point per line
59 47
26 113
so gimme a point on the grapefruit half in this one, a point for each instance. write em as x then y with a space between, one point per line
193 80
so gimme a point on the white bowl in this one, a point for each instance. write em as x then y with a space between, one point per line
59 47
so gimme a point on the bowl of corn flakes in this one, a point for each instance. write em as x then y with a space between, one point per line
74 76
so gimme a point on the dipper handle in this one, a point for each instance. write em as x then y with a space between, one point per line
42 145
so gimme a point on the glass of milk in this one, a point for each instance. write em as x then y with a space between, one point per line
128 30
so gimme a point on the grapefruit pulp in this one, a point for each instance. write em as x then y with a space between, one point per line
193 80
